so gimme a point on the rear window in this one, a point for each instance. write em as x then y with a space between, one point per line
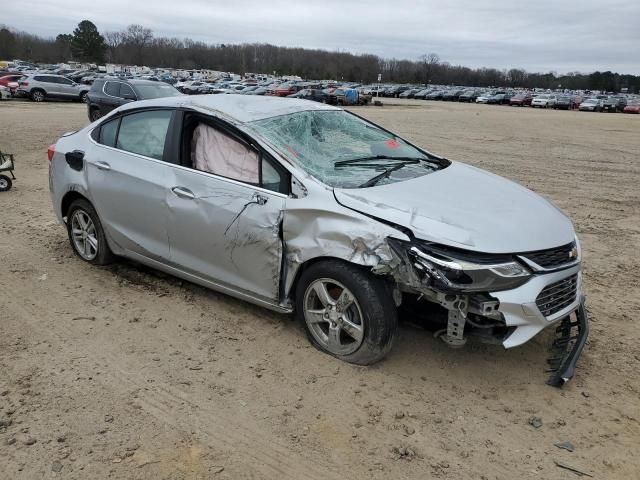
112 88
159 90
108 133
144 133
126 91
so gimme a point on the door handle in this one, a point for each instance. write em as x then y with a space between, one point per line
103 166
183 193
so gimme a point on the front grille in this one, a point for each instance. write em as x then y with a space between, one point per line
554 257
558 295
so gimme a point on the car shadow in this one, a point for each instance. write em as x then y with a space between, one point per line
416 354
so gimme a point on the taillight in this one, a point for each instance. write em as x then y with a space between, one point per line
24 84
51 151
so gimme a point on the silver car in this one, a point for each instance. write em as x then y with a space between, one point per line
303 207
40 86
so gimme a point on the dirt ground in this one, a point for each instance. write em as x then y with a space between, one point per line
123 373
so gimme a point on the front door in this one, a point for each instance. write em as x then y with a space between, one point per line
226 231
225 209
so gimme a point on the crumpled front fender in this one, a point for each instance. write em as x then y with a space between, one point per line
313 229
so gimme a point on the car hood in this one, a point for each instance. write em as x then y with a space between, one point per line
465 207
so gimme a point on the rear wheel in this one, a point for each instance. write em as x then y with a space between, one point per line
38 96
5 183
86 235
83 97
346 311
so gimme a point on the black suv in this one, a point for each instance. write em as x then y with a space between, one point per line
614 104
107 94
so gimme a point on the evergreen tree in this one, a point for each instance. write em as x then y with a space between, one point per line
87 44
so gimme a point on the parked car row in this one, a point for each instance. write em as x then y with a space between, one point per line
561 101
66 83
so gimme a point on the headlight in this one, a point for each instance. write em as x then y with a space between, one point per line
461 272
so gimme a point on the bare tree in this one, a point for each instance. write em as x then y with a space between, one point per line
138 37
114 40
430 63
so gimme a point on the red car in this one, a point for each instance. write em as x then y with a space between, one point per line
287 89
10 80
521 99
633 107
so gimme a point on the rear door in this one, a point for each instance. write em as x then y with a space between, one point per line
225 224
111 98
50 84
129 178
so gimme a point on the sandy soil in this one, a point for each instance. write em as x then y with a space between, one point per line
124 373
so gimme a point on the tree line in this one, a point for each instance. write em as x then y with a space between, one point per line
137 45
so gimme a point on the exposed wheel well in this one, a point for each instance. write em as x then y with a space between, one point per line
304 266
68 199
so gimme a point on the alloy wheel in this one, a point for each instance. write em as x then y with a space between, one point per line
334 316
85 238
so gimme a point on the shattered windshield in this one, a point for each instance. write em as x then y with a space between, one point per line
342 150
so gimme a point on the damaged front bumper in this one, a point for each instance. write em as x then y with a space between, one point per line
572 328
520 306
545 298
571 337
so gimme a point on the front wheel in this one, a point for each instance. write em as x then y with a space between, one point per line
84 98
5 183
346 311
95 114
86 235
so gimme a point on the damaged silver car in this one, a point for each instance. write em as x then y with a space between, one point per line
302 207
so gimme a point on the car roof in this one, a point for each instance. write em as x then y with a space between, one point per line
130 81
241 108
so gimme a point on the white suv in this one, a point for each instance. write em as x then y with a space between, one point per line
39 87
544 101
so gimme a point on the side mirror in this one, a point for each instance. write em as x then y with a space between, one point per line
130 97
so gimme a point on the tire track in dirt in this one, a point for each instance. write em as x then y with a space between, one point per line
268 458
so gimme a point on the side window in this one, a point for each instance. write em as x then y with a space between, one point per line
112 88
144 133
214 151
108 133
64 81
126 91
272 178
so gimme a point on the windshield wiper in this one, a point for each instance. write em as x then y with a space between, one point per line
372 181
352 161
360 160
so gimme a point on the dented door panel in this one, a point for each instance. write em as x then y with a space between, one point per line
228 232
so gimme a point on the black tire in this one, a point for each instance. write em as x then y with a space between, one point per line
38 95
379 313
103 256
84 98
5 183
95 114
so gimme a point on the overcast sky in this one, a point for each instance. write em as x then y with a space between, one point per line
540 35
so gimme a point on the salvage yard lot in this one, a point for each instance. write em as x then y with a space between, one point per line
124 373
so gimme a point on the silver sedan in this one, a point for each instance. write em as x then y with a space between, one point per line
306 208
